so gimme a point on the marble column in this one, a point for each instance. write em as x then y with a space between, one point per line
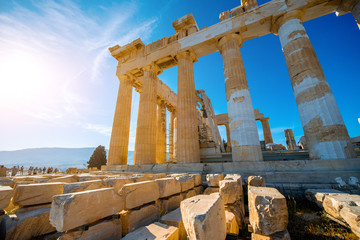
145 143
188 149
175 139
171 134
243 130
119 140
266 130
228 148
161 133
324 128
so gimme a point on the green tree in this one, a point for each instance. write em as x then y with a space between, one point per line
98 158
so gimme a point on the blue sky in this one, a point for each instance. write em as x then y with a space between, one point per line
58 83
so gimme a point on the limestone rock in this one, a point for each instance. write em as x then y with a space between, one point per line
230 191
284 235
154 231
318 195
26 225
107 229
83 178
174 218
72 210
6 194
83 186
4 181
137 194
238 209
231 223
187 182
204 217
134 219
32 208
333 203
351 215
268 210
214 179
189 194
233 176
256 181
168 186
197 179
117 183
210 190
168 204
65 179
37 193
199 190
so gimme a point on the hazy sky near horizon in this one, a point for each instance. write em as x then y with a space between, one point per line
58 84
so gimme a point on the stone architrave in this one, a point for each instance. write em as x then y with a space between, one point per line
324 128
243 130
168 186
137 194
268 210
187 139
83 186
72 210
37 193
204 217
161 133
119 141
145 142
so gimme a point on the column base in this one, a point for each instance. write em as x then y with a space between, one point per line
247 153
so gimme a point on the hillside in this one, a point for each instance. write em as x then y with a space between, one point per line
61 158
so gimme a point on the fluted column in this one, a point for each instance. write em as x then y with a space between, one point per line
228 148
266 130
323 125
243 130
171 134
145 143
161 133
188 149
175 138
119 140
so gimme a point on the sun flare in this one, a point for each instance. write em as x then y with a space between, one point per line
23 76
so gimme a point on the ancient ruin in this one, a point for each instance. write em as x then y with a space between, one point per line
204 190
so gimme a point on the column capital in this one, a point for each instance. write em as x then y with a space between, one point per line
233 36
187 54
278 21
264 119
152 67
123 77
